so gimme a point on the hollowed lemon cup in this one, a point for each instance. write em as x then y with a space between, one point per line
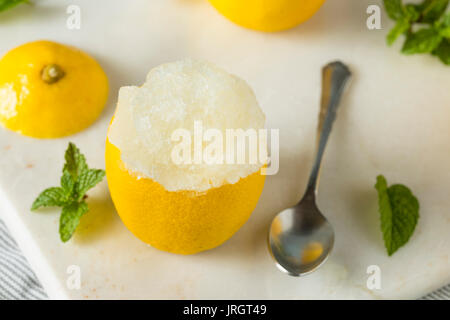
183 222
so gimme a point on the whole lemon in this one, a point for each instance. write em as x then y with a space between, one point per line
50 90
182 207
267 15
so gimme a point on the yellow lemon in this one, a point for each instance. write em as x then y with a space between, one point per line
183 222
311 252
189 207
267 15
49 90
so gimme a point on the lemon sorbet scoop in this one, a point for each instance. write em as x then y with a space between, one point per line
182 208
50 90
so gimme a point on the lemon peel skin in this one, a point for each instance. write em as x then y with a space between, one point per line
42 107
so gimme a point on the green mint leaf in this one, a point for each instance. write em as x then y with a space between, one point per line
399 213
446 20
426 40
445 32
8 4
51 197
422 41
443 51
394 9
88 180
76 179
75 161
401 27
70 219
432 10
67 183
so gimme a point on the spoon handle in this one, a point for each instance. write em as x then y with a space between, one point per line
334 77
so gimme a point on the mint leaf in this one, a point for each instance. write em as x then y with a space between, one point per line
443 51
75 161
429 39
70 219
88 180
445 32
423 41
394 9
401 27
8 4
76 180
399 213
446 20
432 10
51 197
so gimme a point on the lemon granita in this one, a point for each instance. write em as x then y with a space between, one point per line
189 207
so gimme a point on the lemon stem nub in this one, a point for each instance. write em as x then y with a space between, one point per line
52 73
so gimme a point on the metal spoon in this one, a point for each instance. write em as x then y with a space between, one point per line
301 238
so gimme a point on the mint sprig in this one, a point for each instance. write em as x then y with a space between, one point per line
426 27
76 180
8 4
399 213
